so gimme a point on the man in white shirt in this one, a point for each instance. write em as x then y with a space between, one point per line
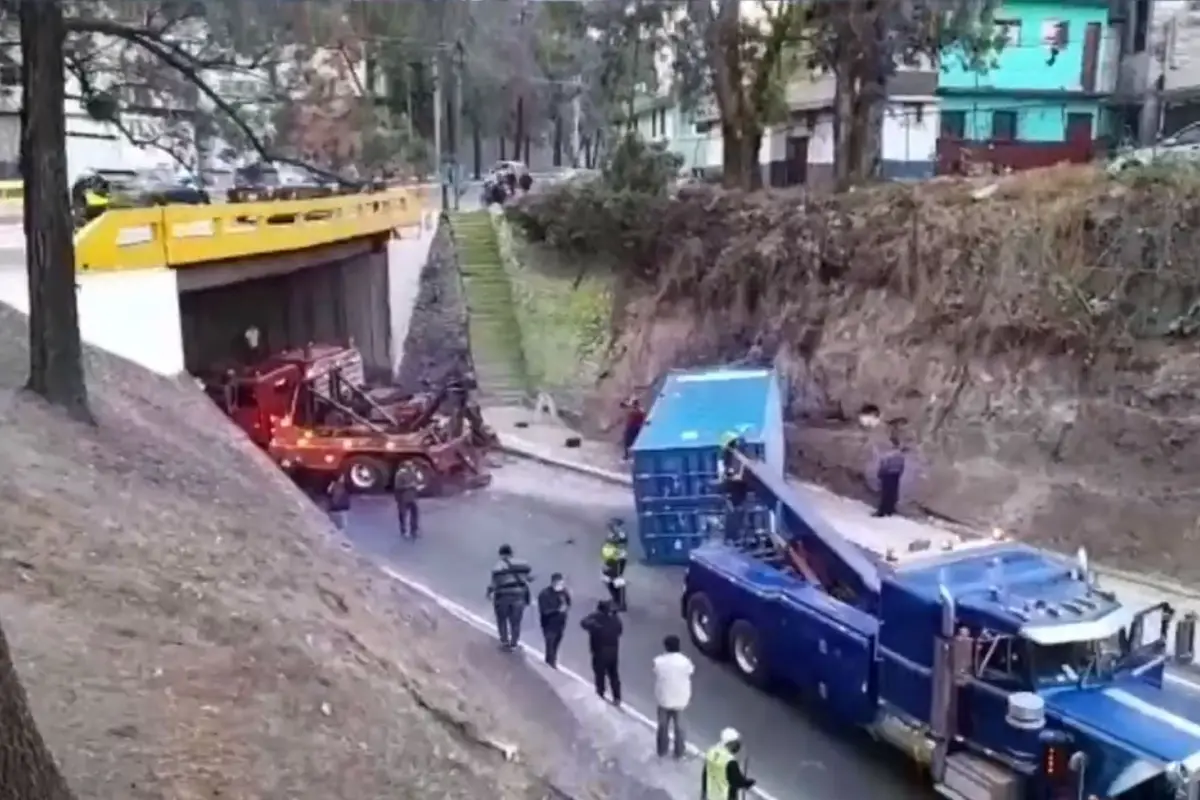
672 691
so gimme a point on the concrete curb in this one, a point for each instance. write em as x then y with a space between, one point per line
1159 584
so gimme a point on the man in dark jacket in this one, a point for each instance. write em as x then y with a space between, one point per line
338 500
553 604
509 593
891 470
604 631
404 488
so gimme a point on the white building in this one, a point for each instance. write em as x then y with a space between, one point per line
800 148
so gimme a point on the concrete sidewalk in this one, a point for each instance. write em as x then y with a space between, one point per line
544 438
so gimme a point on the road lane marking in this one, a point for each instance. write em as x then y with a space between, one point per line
483 625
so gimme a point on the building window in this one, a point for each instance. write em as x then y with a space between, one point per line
705 126
1004 125
954 124
662 121
653 124
1009 31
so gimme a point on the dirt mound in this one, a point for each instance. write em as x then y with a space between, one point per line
188 626
1032 333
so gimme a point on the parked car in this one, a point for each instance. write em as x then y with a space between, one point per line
1183 145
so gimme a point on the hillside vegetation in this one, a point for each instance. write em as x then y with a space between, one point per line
1033 334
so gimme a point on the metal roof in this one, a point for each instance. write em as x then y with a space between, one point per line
697 408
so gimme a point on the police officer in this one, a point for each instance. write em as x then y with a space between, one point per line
553 604
509 593
723 778
404 488
613 559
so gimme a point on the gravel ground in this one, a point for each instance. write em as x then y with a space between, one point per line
189 626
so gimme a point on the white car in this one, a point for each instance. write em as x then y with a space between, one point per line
1184 145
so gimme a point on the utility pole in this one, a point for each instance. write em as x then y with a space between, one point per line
437 128
456 144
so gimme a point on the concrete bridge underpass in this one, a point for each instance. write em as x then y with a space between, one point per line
176 288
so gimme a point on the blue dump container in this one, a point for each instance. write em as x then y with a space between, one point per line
677 456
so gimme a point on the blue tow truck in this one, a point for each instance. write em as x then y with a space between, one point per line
1007 672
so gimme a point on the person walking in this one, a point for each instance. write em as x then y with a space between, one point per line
604 631
672 692
891 470
553 604
509 593
723 778
337 497
404 488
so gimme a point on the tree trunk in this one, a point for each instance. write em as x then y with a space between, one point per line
55 350
528 147
503 149
844 102
519 137
477 144
558 139
27 769
739 155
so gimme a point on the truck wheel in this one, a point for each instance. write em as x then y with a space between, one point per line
365 474
746 654
423 475
703 626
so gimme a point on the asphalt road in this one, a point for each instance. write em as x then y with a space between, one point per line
556 521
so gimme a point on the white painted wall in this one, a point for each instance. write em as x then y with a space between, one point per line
134 315
406 259
910 130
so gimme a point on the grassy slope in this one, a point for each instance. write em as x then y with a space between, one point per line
564 319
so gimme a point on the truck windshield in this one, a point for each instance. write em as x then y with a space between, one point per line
1097 659
1070 661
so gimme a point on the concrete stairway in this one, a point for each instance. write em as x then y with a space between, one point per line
495 334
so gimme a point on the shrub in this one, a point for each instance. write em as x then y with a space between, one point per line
617 213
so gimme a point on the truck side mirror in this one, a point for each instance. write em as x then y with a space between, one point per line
1185 638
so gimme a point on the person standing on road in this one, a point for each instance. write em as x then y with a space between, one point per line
604 631
672 692
614 557
337 497
553 604
509 592
723 778
404 487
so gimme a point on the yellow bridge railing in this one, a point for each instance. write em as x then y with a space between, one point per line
191 235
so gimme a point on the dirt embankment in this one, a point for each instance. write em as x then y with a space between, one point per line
188 625
1035 337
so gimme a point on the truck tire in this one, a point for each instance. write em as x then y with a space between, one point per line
365 474
425 477
703 627
745 653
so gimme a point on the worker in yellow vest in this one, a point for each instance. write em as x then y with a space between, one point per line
723 776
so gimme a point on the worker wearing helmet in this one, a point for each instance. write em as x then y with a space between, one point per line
733 482
613 558
723 776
